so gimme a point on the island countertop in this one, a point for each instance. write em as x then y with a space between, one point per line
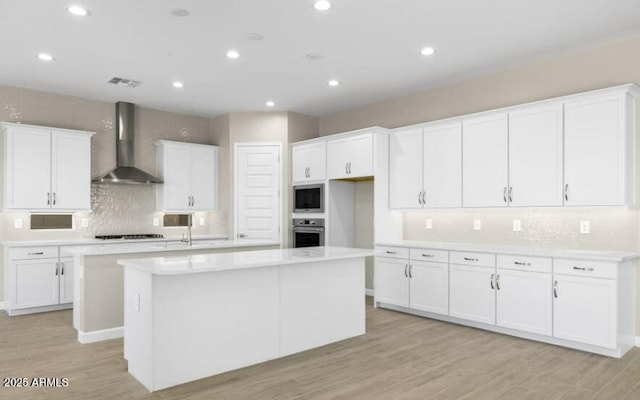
200 263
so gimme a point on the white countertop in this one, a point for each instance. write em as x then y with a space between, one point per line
198 263
92 241
125 247
594 255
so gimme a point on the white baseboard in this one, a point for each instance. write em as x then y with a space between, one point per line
99 336
368 292
637 341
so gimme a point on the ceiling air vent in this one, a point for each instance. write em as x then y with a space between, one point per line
124 82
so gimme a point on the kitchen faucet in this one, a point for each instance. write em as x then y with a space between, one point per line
188 240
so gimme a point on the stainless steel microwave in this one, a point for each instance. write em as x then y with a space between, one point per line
308 198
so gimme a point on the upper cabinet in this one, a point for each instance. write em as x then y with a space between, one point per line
350 156
46 168
189 172
309 161
425 167
598 140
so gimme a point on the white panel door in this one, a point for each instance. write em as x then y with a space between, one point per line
36 283
309 162
338 158
594 151
442 165
405 168
177 179
524 301
585 310
361 155
485 161
391 281
429 287
257 192
472 294
70 171
204 178
28 169
66 280
535 156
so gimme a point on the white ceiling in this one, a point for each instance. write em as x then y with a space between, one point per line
371 46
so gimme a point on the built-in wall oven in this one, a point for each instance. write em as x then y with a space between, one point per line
308 198
308 232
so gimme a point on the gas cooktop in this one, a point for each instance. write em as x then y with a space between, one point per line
131 236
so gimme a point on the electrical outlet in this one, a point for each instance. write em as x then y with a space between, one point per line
429 223
477 225
517 225
17 223
201 221
156 222
84 222
585 227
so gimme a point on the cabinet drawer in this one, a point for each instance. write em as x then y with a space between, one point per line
441 256
595 269
467 258
525 263
392 251
28 253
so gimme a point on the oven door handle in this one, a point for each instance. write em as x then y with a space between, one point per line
308 230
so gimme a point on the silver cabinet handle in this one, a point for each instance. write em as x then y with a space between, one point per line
410 269
349 167
491 281
420 198
555 289
193 201
470 259
582 268
428 255
37 253
391 252
308 172
242 235
62 268
346 168
566 192
510 194
54 198
498 281
57 266
504 194
424 199
406 267
48 198
522 263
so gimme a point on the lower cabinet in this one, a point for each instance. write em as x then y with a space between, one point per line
391 281
472 293
66 280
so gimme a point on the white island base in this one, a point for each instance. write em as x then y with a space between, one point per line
192 317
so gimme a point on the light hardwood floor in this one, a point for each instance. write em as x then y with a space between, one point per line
400 357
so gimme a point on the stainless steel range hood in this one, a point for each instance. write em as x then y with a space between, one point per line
125 171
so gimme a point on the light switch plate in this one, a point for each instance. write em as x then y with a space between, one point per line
17 223
201 221
517 225
429 223
156 221
477 225
585 227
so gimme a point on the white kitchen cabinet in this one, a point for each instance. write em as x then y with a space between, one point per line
426 167
391 281
429 286
37 283
535 156
350 156
66 279
472 293
485 161
46 168
523 301
309 161
598 145
189 172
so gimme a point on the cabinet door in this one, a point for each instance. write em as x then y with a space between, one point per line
442 166
338 158
524 301
177 181
204 183
584 310
535 156
391 281
70 171
361 155
471 293
405 169
484 161
36 283
429 287
595 141
66 280
28 168
309 162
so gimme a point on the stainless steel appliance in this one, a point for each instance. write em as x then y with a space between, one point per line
308 198
308 232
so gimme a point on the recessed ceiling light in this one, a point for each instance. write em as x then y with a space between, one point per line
45 57
313 56
180 12
79 11
233 54
334 82
322 5
177 85
255 36
269 103
427 51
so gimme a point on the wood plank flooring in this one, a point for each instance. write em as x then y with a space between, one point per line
400 357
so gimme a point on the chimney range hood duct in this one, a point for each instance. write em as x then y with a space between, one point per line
125 172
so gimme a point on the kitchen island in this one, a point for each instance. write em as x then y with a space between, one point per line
191 317
98 302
